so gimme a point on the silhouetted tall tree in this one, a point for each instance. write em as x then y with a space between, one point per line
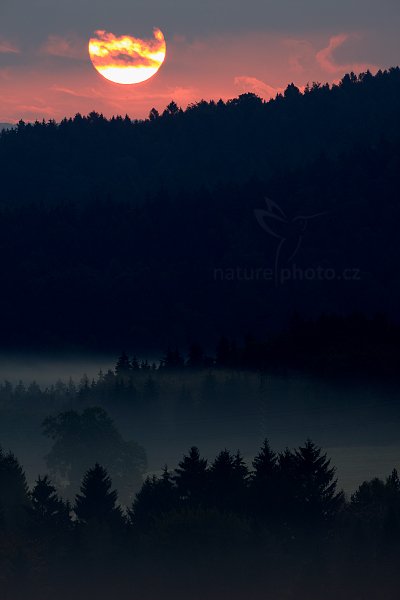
227 482
264 482
48 509
191 478
14 496
97 501
196 356
157 497
317 498
172 359
123 366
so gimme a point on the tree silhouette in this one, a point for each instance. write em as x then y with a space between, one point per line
48 510
172 359
264 482
14 497
191 478
154 114
317 498
157 497
97 501
196 356
227 482
123 366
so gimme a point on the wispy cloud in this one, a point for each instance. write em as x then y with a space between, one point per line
7 47
326 57
86 93
301 55
64 47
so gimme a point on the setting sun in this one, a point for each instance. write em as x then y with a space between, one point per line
126 59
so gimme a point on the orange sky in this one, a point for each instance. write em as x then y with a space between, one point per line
55 78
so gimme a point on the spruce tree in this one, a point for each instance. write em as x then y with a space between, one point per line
123 366
97 501
317 498
227 482
191 478
264 482
157 497
48 509
14 494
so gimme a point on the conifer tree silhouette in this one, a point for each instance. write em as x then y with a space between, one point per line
14 493
191 478
264 481
97 501
227 482
317 497
157 497
48 509
123 366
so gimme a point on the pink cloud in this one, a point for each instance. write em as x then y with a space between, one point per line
301 55
64 47
7 47
326 59
86 93
252 84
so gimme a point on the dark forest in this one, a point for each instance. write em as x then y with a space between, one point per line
281 527
96 256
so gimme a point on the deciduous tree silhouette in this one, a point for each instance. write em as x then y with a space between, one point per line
81 439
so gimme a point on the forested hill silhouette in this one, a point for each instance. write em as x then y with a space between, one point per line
116 233
208 143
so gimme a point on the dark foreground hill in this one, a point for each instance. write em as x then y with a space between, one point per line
222 219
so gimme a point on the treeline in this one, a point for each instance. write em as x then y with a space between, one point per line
207 144
281 527
353 346
118 232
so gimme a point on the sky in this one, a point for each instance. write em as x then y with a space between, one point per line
215 49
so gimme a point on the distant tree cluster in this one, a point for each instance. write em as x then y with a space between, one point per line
333 346
281 527
291 491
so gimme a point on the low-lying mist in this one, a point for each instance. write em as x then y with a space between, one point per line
166 411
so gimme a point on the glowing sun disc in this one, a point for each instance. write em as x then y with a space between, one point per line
127 59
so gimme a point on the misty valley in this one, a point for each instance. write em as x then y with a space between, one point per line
244 252
167 410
